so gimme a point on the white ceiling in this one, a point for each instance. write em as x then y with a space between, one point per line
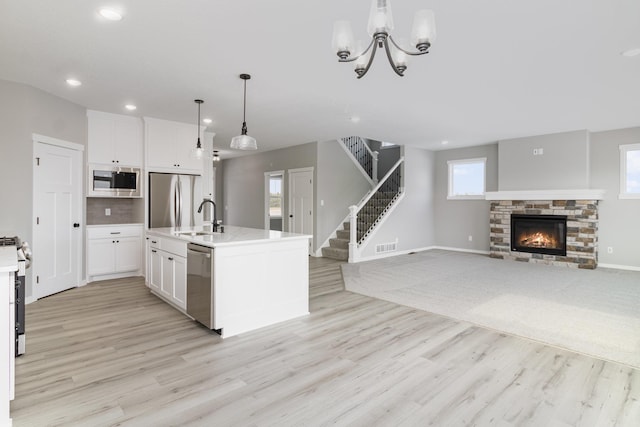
498 69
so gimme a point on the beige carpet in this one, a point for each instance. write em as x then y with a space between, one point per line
594 312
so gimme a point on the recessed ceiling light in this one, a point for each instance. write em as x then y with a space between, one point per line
207 121
130 107
631 52
445 142
110 14
74 82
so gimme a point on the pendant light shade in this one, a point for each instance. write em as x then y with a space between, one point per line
198 152
244 141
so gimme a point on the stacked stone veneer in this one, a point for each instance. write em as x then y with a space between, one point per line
582 230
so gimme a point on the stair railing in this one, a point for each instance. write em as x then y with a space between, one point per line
392 183
364 157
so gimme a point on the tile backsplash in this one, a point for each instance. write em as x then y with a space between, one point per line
123 211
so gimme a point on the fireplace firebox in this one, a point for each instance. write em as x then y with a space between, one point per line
539 234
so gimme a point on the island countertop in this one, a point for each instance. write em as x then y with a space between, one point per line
232 235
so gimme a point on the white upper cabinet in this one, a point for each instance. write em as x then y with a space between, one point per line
115 139
168 146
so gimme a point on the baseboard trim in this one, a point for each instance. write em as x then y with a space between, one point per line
392 254
619 267
470 251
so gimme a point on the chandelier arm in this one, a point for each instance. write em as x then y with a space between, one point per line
393 64
373 54
412 53
350 59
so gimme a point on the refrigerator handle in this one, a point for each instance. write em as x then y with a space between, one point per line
179 182
175 205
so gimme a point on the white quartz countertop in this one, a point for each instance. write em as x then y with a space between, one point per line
8 259
232 235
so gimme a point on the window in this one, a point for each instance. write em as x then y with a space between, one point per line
275 196
630 171
467 178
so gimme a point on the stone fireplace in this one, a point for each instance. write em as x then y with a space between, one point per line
552 231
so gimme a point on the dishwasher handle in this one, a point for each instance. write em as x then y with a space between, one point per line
204 254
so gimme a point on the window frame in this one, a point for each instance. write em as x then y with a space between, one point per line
450 166
624 149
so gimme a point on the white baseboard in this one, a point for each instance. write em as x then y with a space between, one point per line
392 254
30 299
619 267
471 251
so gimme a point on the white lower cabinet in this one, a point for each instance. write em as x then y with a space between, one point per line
114 250
168 270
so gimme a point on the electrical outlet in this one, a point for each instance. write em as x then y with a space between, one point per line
609 250
107 211
470 238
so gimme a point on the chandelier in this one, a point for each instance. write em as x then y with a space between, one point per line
379 28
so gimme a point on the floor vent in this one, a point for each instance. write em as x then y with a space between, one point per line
386 247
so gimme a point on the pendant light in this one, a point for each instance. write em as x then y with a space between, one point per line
244 141
198 152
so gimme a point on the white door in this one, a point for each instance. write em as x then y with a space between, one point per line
301 202
57 236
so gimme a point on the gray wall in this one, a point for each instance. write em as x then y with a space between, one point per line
387 157
412 222
563 165
25 110
243 182
619 226
339 184
456 220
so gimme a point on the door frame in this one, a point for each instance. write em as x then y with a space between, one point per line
42 139
289 204
267 196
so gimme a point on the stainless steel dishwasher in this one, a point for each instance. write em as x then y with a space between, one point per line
200 284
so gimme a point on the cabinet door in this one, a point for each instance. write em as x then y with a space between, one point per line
128 254
101 258
101 129
169 145
166 286
180 282
155 270
128 141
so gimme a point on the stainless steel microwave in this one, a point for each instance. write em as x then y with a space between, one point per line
114 181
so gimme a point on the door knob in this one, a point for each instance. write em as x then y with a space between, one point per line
76 225
291 216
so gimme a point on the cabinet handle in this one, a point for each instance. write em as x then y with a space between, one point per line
113 241
117 241
153 241
170 259
115 232
154 251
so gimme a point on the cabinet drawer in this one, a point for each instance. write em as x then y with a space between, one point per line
176 247
112 232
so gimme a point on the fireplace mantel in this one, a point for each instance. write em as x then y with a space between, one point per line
587 194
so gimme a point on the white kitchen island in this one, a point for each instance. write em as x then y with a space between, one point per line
259 277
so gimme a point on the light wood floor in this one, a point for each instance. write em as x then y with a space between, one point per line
110 353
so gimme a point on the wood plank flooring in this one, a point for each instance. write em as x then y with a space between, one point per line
112 354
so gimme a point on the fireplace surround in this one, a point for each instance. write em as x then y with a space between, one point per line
581 231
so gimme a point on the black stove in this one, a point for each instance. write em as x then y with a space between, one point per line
20 284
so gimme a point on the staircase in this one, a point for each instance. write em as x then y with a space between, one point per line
339 246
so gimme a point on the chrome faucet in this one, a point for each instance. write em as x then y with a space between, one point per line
215 222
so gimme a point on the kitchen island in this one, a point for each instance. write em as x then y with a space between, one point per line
258 277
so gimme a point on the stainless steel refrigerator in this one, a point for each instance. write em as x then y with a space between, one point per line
174 200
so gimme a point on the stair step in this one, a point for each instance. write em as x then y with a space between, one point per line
346 225
339 243
343 234
336 253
